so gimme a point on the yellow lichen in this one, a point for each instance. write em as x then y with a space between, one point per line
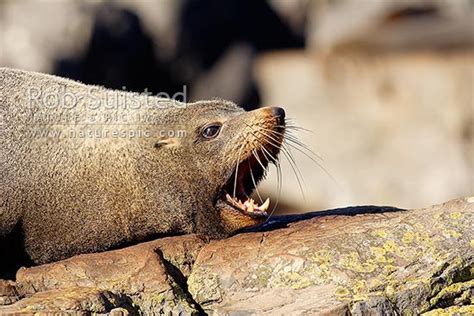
359 297
456 215
408 237
360 287
449 233
389 268
353 262
374 283
391 246
419 226
378 251
390 290
381 233
293 279
321 257
342 291
451 290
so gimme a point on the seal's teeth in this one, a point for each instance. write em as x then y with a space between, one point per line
234 201
239 204
264 206
250 207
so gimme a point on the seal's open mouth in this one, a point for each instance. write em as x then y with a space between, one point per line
262 146
249 173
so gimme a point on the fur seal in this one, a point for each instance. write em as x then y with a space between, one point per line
75 180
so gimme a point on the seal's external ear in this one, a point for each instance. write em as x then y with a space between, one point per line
167 142
159 144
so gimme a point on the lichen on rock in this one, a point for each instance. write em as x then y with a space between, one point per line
359 261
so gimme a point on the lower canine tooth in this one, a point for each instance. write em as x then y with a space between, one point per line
265 205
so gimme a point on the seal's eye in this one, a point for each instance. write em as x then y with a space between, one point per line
211 131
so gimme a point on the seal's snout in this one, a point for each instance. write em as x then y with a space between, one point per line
274 112
279 113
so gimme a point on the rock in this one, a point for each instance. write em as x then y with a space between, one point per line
364 260
339 262
8 293
74 299
145 278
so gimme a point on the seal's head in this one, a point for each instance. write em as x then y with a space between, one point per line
230 150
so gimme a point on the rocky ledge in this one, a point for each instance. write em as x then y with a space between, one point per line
352 261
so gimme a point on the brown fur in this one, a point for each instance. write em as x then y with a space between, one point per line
78 195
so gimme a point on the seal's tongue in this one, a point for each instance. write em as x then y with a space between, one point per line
249 206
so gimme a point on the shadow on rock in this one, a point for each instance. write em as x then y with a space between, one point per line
283 221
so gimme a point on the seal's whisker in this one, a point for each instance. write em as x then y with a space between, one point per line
296 170
279 176
237 170
273 159
259 141
294 167
258 159
314 158
296 142
291 160
279 185
296 127
253 180
291 124
270 139
268 142
265 155
293 139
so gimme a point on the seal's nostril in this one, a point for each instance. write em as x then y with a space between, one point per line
279 113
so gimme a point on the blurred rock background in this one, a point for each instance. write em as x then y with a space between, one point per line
386 87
